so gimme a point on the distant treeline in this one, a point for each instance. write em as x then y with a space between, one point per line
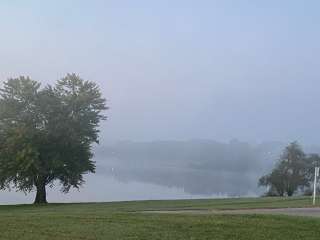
199 167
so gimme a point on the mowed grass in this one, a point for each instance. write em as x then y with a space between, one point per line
125 220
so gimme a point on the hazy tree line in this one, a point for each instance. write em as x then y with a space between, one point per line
199 167
293 173
207 167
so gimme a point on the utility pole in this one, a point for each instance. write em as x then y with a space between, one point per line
316 174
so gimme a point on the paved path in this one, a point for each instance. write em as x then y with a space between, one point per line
309 212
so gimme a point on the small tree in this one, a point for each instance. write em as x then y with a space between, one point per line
46 134
290 173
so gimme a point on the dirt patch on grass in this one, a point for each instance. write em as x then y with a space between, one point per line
307 212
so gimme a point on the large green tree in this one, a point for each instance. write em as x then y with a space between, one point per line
291 172
46 134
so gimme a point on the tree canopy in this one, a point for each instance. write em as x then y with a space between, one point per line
46 134
293 171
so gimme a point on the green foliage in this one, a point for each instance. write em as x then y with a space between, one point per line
46 134
292 172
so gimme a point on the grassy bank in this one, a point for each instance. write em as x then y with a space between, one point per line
125 221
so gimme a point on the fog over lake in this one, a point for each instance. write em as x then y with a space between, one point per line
173 71
171 170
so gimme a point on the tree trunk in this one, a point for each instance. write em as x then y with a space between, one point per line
41 196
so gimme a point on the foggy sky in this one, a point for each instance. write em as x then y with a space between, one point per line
178 70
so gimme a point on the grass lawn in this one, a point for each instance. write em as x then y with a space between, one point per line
124 220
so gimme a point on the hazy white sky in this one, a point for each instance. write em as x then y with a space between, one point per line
178 69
